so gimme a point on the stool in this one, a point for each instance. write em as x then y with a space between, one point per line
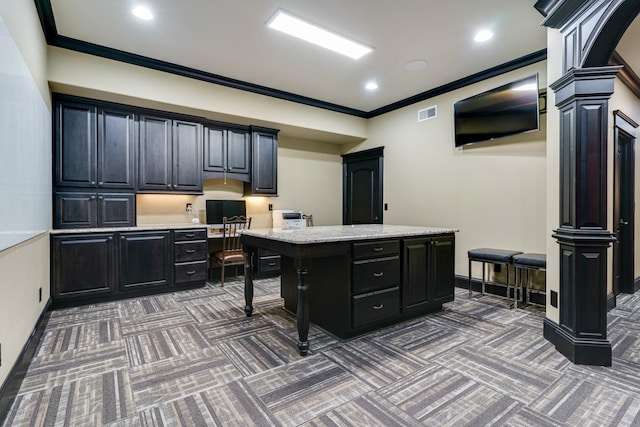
528 262
492 256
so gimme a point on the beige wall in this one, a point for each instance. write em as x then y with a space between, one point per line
24 268
493 192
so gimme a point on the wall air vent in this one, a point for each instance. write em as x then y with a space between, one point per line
428 113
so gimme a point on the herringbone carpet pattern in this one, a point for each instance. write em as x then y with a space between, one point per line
193 359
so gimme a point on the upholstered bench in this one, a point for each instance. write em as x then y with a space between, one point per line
492 256
528 262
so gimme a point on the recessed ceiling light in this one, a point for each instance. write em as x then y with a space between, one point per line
371 85
415 65
483 36
294 26
142 12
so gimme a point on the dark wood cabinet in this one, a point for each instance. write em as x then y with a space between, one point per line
83 265
94 146
170 155
227 152
264 163
268 263
145 259
89 209
190 256
428 272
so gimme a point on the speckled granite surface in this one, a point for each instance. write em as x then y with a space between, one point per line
337 233
136 228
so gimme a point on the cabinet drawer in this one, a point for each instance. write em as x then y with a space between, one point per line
190 251
376 249
191 272
268 264
375 306
186 235
375 274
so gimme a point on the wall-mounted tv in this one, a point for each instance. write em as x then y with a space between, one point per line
218 209
507 110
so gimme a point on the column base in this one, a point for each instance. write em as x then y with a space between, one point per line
581 351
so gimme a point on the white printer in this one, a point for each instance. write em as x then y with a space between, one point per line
284 218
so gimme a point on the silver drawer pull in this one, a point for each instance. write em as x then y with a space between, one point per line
378 249
378 307
378 274
190 235
189 273
190 251
272 264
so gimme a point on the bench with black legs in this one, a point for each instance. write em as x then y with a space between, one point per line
527 262
492 256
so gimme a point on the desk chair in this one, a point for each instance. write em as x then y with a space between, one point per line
231 253
309 219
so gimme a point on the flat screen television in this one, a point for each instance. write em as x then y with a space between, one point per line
507 110
218 209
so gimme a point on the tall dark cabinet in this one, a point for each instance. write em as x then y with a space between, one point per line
170 155
94 169
264 162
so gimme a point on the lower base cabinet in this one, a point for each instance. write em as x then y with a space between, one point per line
92 267
83 265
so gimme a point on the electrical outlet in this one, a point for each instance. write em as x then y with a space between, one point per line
270 206
188 208
40 294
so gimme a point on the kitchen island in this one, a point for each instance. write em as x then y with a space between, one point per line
352 279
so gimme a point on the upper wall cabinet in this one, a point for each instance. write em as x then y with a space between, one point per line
94 146
227 152
170 155
264 162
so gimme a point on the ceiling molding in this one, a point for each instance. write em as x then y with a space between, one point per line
523 61
626 75
45 12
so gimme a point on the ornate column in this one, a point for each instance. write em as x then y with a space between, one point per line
582 97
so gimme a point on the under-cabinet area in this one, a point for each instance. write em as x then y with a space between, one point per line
116 263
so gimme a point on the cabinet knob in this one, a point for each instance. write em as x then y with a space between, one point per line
93 183
92 198
100 197
168 185
100 183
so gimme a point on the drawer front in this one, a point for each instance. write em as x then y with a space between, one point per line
374 275
376 249
191 272
190 251
268 264
375 306
187 235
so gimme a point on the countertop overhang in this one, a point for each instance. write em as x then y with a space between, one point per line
129 228
340 233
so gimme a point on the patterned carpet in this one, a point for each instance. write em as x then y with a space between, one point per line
193 359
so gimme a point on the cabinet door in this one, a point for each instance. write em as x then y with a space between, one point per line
443 270
75 145
415 289
238 145
155 153
74 210
215 149
116 209
264 164
116 149
187 156
145 260
83 265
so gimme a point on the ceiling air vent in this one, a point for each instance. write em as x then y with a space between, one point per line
427 113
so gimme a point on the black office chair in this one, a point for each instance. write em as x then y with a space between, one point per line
231 253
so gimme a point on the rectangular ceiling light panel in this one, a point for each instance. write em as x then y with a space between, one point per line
289 24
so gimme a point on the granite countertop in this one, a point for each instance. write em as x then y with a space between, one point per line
129 228
337 233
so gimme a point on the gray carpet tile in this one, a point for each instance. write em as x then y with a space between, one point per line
192 358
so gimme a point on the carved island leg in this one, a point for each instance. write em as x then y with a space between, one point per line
248 281
303 311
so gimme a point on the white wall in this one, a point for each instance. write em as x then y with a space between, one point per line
493 192
24 268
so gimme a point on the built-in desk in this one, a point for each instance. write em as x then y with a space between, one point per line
356 278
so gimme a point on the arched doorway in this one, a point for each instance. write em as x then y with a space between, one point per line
590 32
